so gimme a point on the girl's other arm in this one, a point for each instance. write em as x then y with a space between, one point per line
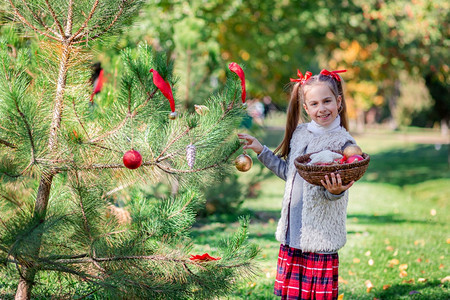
334 185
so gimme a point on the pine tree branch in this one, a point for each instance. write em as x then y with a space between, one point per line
25 21
40 21
183 208
78 118
85 260
85 220
19 174
88 18
27 126
79 39
8 144
171 143
11 200
69 23
129 115
55 18
106 148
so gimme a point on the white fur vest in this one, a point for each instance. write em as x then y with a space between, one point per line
323 221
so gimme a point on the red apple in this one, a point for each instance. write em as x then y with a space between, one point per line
132 159
354 158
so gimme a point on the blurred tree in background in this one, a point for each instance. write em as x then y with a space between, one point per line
375 40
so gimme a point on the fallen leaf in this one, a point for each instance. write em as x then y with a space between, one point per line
422 280
442 257
369 285
390 248
252 284
427 260
441 266
386 286
342 280
408 252
371 262
393 262
419 242
419 260
367 253
387 242
403 267
351 273
403 274
395 253
433 212
445 279
356 260
340 297
448 240
411 281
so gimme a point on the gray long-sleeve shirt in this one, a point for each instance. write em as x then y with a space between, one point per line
278 167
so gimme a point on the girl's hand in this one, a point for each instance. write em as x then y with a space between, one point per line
334 185
251 143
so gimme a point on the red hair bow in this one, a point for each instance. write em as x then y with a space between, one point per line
301 78
164 87
235 68
333 73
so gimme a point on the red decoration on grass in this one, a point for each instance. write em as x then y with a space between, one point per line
301 78
235 68
132 159
333 73
98 84
164 87
204 257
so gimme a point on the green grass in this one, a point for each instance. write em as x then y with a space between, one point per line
397 220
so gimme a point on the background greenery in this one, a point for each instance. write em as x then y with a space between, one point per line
397 223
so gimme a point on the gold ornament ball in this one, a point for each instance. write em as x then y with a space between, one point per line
243 162
173 115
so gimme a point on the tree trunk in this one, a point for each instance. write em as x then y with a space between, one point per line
40 208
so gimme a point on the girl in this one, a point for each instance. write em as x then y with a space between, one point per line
312 224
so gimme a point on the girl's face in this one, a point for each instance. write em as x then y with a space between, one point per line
321 105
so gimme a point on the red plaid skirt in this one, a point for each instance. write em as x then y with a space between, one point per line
306 275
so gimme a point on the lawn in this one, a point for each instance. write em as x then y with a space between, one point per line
398 231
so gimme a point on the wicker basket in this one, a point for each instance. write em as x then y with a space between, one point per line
314 173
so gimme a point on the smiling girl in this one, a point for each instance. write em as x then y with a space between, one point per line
312 225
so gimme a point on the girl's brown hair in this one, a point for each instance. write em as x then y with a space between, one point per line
296 112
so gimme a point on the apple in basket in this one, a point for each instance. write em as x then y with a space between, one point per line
354 158
351 150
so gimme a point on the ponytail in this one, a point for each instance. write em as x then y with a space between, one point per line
343 108
292 119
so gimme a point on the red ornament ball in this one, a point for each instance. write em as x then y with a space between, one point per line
132 159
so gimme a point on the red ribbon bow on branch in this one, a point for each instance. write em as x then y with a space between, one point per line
301 78
333 73
204 257
235 68
164 87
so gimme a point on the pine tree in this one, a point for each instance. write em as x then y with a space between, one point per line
61 158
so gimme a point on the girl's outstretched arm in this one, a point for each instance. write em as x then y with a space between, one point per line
251 143
334 185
